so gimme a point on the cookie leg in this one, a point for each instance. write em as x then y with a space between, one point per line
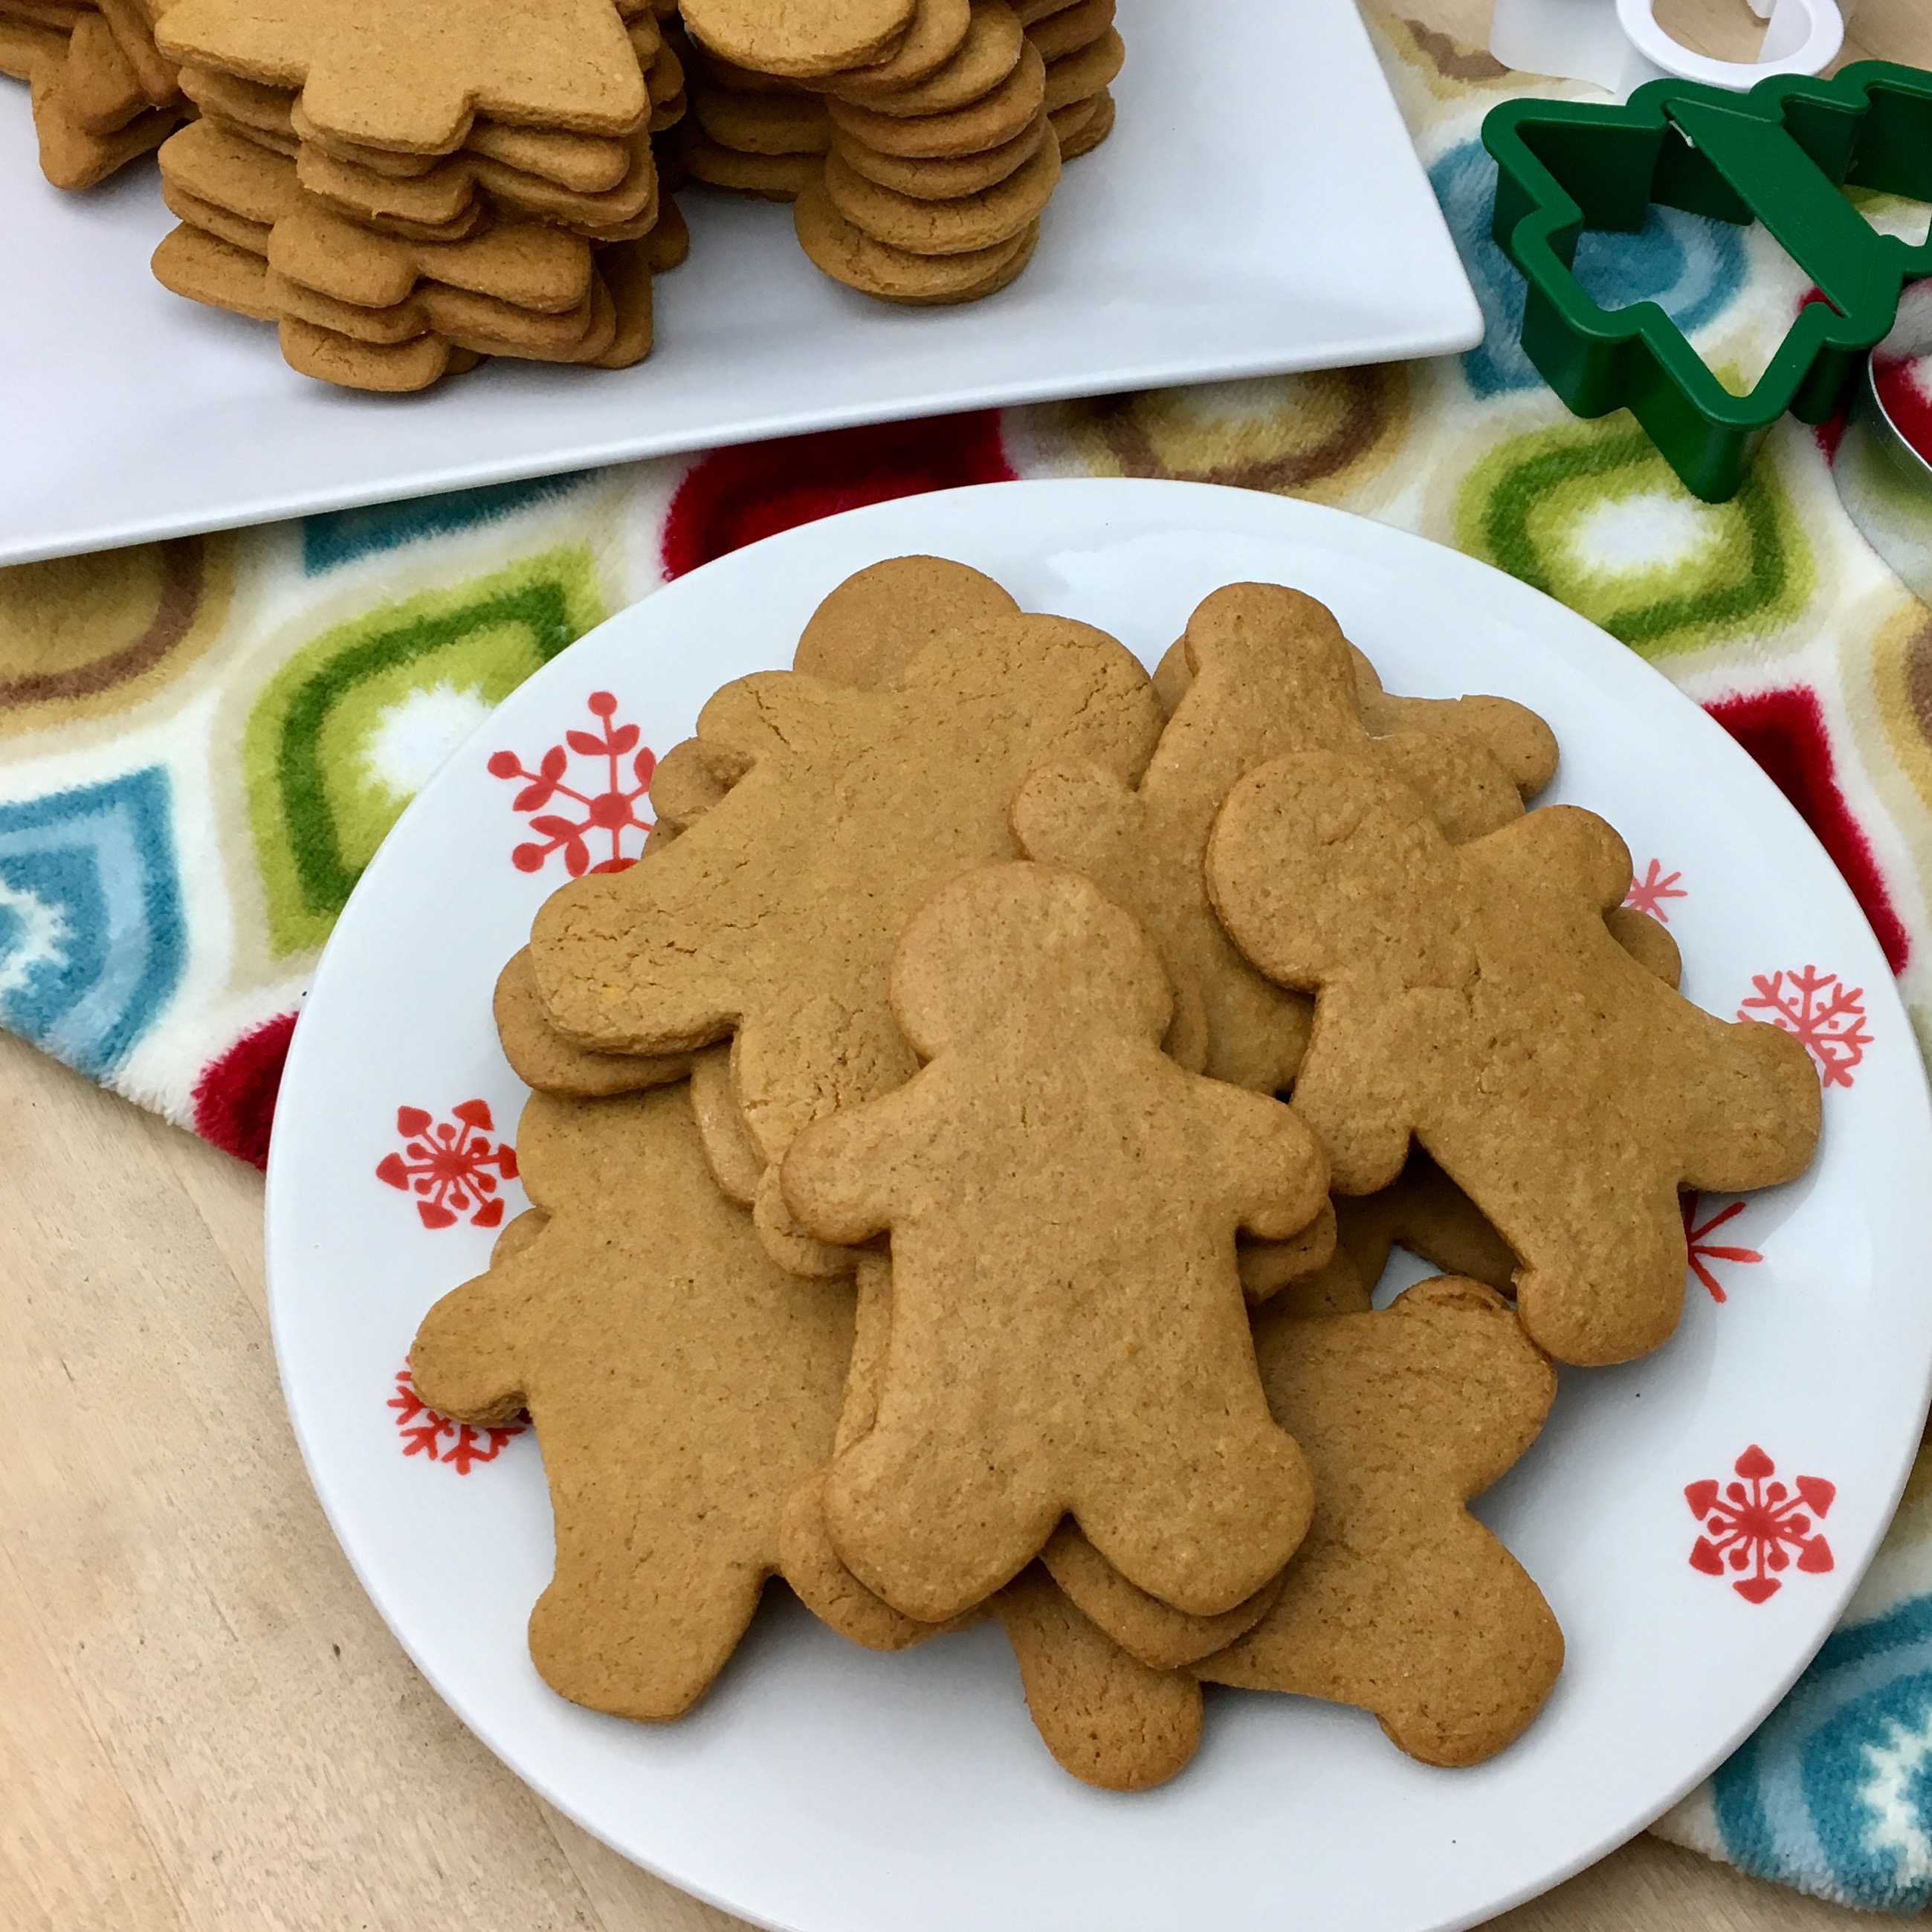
1204 1533
927 1520
1109 1719
1605 1283
641 1639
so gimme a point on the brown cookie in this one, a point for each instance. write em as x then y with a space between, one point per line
1071 28
251 237
1398 1600
1038 1007
202 267
668 245
1153 1633
970 222
987 56
847 254
684 787
764 124
541 1059
243 103
1272 673
815 1571
1075 77
1090 126
871 628
528 265
800 43
103 92
329 357
132 26
1648 942
71 157
412 74
772 917
937 31
942 179
1472 996
1106 1718
777 177
971 130
680 1387
24 46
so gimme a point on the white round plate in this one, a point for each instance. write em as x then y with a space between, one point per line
821 1788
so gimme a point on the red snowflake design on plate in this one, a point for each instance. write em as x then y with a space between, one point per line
451 1165
424 1431
1828 1016
1648 893
1700 1251
1756 1524
611 813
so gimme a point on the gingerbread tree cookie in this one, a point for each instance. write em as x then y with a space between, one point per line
681 1385
772 917
409 75
1063 1202
1271 673
1399 1600
1472 997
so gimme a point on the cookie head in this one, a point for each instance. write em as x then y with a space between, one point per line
1334 838
1024 939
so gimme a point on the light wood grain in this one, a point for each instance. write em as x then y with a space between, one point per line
204 1726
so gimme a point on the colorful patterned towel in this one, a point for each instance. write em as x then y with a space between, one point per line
202 742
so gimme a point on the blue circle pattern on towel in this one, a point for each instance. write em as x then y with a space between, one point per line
92 941
1833 1794
1693 267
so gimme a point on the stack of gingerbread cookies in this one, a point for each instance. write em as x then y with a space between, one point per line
102 95
921 171
916 1215
398 218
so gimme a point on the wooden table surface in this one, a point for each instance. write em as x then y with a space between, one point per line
204 1726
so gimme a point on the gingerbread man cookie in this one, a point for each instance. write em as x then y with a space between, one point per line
771 918
681 1385
1473 997
1271 673
1063 1202
1399 1600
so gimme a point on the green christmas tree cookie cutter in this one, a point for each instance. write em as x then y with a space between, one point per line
1780 154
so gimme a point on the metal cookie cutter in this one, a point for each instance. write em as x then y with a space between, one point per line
1779 154
1883 476
1617 45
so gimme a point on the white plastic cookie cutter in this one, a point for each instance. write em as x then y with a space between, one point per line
1617 45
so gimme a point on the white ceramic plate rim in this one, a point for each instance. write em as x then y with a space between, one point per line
1061 518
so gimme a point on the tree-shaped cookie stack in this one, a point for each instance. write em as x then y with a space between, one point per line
401 209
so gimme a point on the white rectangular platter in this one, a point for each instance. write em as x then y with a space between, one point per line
1258 209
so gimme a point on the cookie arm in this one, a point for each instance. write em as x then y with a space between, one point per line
840 1175
465 1362
1568 849
1277 1173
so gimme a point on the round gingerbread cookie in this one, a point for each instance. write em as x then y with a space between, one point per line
943 178
779 176
957 227
989 53
849 255
1074 76
1090 129
801 42
966 130
996 279
1072 28
937 32
764 124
